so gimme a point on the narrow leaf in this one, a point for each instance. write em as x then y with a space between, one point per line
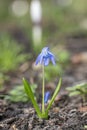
54 95
31 96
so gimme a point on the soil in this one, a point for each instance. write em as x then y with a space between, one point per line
67 113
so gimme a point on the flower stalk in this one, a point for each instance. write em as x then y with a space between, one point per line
43 90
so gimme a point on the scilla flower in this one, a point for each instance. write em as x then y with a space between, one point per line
45 57
46 97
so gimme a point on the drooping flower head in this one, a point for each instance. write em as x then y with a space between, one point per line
45 57
46 97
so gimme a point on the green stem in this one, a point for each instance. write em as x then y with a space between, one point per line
43 89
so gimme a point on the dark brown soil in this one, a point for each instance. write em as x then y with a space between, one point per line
66 113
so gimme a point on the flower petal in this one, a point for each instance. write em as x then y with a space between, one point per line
46 61
38 59
52 58
46 97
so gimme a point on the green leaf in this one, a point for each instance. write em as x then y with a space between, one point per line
79 89
71 88
74 93
31 96
54 95
78 86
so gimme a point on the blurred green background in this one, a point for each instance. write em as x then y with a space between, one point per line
60 19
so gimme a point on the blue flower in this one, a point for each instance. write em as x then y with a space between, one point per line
45 57
46 97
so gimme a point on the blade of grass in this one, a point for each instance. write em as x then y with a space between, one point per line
31 96
54 95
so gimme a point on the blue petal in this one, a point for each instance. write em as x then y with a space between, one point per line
46 61
41 59
38 59
53 60
46 97
50 54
